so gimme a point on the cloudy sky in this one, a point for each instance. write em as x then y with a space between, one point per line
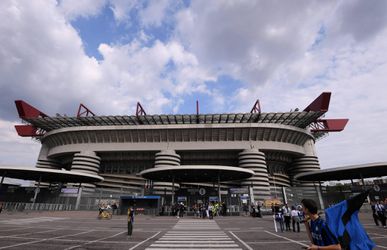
109 54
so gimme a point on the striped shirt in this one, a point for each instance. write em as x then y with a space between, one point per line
321 234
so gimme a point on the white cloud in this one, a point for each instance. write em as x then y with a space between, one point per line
154 13
16 150
43 62
73 9
250 39
150 72
360 20
354 72
122 8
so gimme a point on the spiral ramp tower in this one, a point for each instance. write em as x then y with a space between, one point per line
163 159
45 162
125 183
303 165
48 164
86 162
254 160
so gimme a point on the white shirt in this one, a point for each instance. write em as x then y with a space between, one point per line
294 213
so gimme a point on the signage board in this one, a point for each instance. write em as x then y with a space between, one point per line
182 198
69 190
239 190
213 198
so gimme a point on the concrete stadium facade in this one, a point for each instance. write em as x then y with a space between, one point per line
275 146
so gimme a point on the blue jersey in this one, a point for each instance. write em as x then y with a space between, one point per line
321 234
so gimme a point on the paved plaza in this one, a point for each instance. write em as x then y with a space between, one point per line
82 230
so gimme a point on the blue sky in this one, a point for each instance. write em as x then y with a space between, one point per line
109 54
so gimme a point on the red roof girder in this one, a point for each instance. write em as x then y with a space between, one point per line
26 111
85 111
328 125
320 104
27 131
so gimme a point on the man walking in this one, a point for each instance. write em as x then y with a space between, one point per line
380 211
286 212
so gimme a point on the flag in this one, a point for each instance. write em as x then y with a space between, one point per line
342 219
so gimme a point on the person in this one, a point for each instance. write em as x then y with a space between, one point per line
295 219
100 210
114 207
375 214
224 209
259 214
181 210
253 212
286 213
319 233
245 209
210 208
130 220
278 216
380 210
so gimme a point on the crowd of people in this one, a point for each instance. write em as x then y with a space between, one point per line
284 215
200 210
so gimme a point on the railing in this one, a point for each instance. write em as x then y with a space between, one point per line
22 206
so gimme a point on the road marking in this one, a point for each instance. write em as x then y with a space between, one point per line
36 241
31 220
14 229
144 241
189 248
51 230
194 234
93 241
270 242
241 241
294 241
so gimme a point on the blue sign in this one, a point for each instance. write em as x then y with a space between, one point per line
182 198
147 197
213 198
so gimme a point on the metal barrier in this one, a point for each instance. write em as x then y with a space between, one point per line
22 206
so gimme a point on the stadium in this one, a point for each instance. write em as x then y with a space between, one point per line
272 146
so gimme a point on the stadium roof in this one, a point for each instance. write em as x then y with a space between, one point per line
369 170
39 122
48 175
196 173
297 119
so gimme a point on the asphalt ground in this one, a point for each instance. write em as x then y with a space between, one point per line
82 230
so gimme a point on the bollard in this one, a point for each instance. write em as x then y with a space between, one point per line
130 221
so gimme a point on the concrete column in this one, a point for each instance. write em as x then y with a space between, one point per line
165 158
307 163
79 195
86 162
284 195
319 195
255 160
219 194
44 161
37 190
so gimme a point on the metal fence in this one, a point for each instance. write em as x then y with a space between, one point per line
24 206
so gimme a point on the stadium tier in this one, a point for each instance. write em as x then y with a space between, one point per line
274 146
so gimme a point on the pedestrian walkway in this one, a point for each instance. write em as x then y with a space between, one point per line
195 234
